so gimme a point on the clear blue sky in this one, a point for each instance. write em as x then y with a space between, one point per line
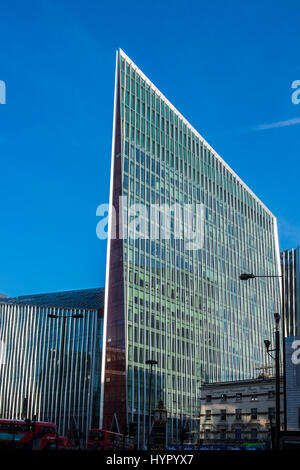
228 68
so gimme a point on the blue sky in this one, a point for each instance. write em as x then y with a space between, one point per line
227 66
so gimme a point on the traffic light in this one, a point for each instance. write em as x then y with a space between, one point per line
33 424
28 424
132 429
183 433
11 428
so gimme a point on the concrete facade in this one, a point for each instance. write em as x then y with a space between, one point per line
240 411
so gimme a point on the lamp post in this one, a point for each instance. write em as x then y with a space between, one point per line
151 363
160 418
246 277
60 376
277 376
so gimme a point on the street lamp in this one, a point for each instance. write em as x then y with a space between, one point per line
151 363
246 277
277 375
62 347
267 344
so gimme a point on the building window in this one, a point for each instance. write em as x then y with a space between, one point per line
238 414
207 434
238 434
223 397
223 434
207 415
271 394
208 398
254 397
223 415
238 397
253 433
253 413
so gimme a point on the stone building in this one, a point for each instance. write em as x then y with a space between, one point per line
239 411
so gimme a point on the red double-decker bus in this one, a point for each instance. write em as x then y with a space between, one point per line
20 434
100 439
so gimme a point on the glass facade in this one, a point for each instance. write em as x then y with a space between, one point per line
290 262
184 308
33 378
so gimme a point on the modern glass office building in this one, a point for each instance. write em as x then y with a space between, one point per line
290 262
180 306
50 366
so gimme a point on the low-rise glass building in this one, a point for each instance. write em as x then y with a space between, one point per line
51 348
